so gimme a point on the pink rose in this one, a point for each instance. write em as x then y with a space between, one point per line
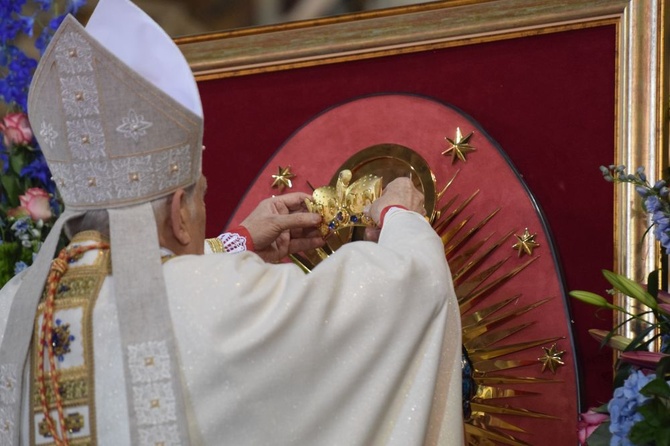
36 202
16 129
588 422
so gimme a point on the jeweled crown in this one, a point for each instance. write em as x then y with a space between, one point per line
344 205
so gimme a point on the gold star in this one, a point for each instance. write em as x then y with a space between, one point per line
526 243
459 146
283 178
552 358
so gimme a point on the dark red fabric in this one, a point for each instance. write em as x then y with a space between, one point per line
548 100
244 232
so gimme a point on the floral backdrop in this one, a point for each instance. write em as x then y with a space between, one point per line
639 411
28 198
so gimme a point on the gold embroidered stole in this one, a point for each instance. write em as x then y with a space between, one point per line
72 344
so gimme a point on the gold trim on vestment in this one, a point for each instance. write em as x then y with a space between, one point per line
78 289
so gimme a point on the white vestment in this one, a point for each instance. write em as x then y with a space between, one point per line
364 350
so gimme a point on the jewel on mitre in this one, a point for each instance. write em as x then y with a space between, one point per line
343 205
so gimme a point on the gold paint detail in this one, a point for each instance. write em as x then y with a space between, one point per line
459 146
282 179
174 168
134 176
525 243
92 182
79 96
149 361
552 358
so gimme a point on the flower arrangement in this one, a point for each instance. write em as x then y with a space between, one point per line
28 200
639 412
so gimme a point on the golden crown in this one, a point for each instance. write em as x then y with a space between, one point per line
343 205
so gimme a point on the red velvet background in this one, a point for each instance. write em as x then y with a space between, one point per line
548 100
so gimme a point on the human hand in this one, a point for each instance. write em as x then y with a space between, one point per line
281 225
400 192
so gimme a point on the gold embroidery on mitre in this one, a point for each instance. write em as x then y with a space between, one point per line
73 338
343 205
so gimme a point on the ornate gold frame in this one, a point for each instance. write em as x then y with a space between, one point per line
642 78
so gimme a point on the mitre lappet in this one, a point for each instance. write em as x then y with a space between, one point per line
117 113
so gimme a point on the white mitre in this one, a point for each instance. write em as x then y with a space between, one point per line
117 114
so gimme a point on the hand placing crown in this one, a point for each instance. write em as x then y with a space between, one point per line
344 205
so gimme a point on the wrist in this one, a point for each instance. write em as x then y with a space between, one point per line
235 240
385 211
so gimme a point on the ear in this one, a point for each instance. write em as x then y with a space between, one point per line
179 215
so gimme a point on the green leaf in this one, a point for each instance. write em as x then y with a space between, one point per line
663 437
9 253
630 288
639 342
656 387
601 436
590 298
11 185
601 409
17 161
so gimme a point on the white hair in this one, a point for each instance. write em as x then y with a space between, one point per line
98 220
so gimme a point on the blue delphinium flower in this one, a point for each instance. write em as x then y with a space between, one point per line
623 407
19 266
656 199
38 170
20 226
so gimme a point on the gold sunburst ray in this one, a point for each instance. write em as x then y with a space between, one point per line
492 353
480 268
497 321
468 235
477 295
439 226
489 437
474 263
441 193
458 262
480 315
494 393
465 289
435 221
494 424
506 410
448 235
500 379
486 340
497 365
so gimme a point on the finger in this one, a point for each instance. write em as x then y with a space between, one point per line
296 221
293 201
372 234
305 232
305 244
